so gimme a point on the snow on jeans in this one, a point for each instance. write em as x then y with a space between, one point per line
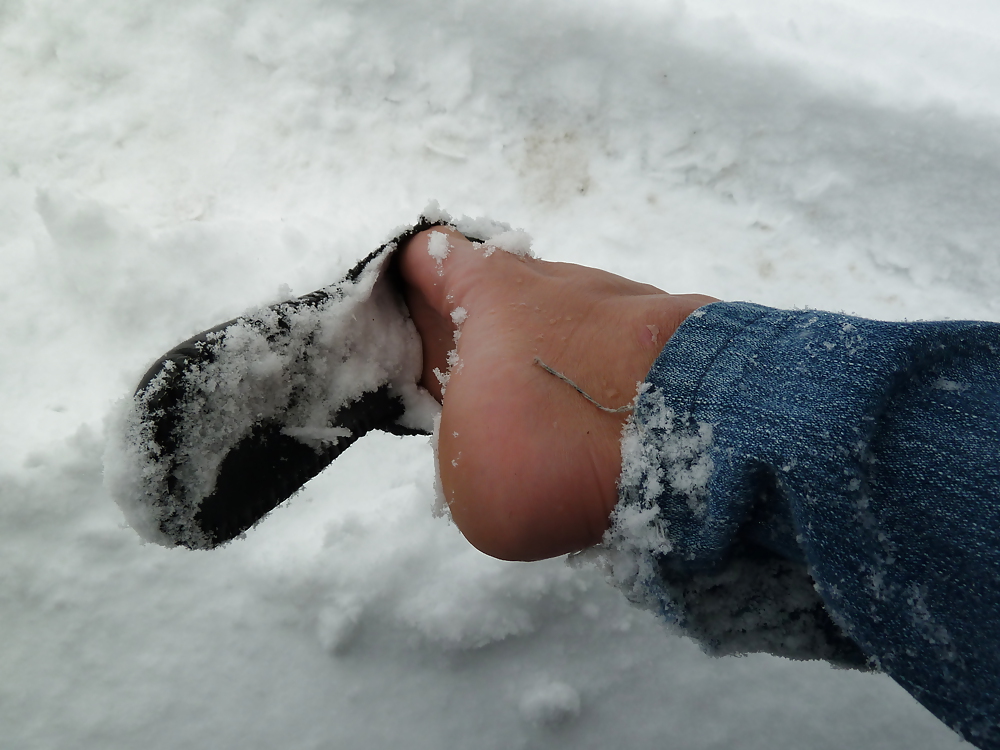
816 485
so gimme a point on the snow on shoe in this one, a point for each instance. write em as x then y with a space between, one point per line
232 422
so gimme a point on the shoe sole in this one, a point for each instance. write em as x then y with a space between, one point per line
232 422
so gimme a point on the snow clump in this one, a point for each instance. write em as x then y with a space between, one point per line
458 316
438 248
515 241
550 703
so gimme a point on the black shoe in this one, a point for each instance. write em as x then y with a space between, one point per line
235 420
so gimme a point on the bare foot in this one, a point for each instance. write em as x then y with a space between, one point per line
529 467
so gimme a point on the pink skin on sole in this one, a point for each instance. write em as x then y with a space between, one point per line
528 466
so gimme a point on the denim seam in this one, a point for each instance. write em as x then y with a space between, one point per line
718 352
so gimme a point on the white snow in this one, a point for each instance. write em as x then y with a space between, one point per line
550 703
515 241
166 166
458 316
439 249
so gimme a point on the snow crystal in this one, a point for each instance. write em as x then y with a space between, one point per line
662 454
480 227
434 213
515 241
458 316
443 375
661 449
438 248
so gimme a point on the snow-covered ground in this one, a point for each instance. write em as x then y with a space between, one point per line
165 166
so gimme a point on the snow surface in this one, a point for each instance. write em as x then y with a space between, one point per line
168 166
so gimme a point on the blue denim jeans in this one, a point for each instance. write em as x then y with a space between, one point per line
822 486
